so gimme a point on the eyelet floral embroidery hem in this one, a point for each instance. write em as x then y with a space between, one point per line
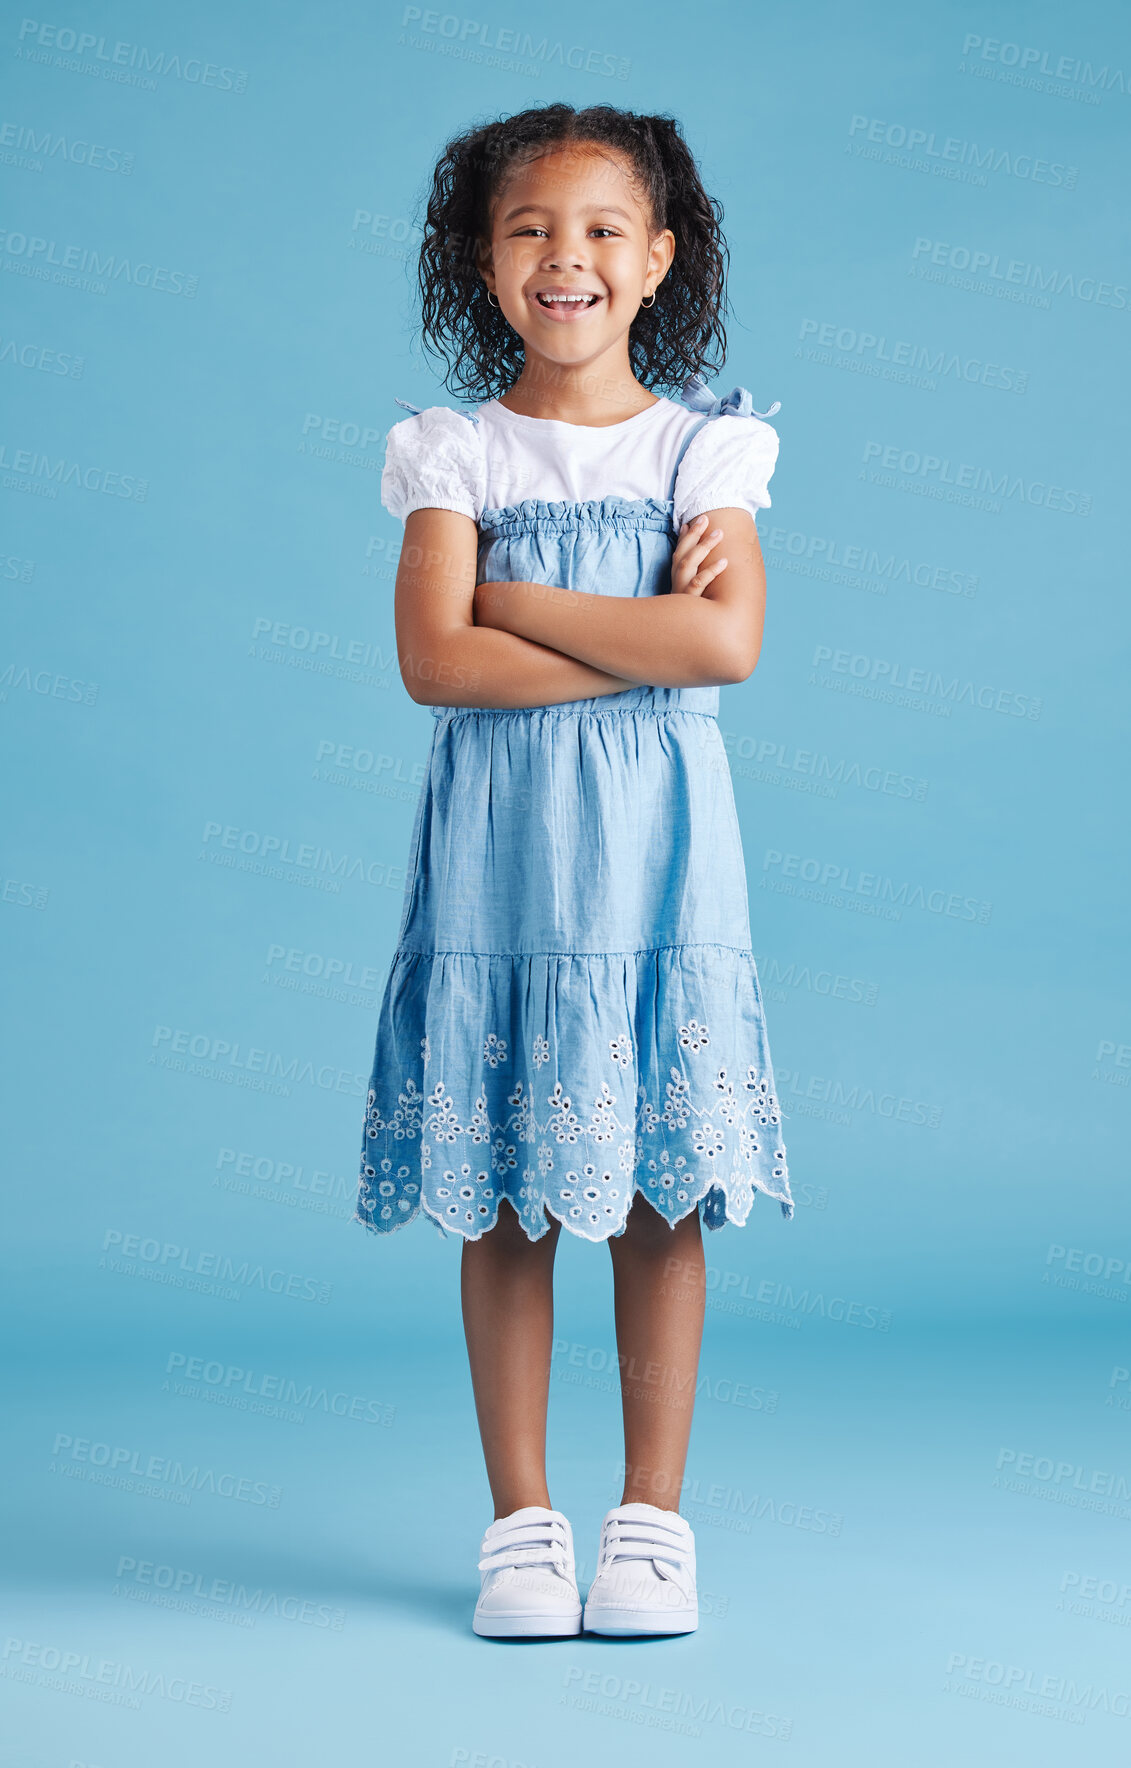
712 1142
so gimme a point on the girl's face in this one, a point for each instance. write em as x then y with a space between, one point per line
572 255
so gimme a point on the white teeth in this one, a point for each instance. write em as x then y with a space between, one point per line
565 300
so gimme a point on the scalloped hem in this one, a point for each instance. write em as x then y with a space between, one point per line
638 1093
713 1203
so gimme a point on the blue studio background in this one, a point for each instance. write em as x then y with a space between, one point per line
246 1493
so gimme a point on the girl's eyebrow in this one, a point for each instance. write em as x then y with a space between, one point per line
536 208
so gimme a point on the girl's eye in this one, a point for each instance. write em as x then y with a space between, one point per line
597 229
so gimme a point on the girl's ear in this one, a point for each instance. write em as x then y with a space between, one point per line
661 251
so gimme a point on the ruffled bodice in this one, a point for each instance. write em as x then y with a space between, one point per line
614 546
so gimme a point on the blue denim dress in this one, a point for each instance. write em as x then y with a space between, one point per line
573 1012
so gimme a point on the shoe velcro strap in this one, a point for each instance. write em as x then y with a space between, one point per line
668 1548
657 1550
525 1543
517 1556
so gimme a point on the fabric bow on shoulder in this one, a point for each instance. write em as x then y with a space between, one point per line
739 402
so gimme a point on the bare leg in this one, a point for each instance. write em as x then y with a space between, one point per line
659 1289
507 1289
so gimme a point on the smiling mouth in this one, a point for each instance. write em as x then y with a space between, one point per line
566 303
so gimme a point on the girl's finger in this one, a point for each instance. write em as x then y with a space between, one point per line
702 543
688 526
696 554
707 575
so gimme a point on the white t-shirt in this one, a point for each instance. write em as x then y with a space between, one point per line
439 459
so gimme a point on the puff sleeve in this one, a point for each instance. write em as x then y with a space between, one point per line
434 460
728 465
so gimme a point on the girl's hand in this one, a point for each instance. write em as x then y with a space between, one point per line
691 571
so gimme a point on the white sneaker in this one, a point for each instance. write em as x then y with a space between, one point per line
645 1580
529 1588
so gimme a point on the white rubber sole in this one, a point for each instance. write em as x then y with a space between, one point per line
634 1622
526 1626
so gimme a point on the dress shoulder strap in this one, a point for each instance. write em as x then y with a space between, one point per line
696 394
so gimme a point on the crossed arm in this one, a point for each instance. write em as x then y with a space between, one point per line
532 644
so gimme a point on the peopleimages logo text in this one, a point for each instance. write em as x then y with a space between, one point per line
1028 60
1022 272
938 469
33 254
952 150
134 57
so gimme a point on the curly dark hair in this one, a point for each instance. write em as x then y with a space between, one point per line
668 341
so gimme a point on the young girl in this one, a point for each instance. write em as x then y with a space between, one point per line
572 1030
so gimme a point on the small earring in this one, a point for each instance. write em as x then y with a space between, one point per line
491 301
650 302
